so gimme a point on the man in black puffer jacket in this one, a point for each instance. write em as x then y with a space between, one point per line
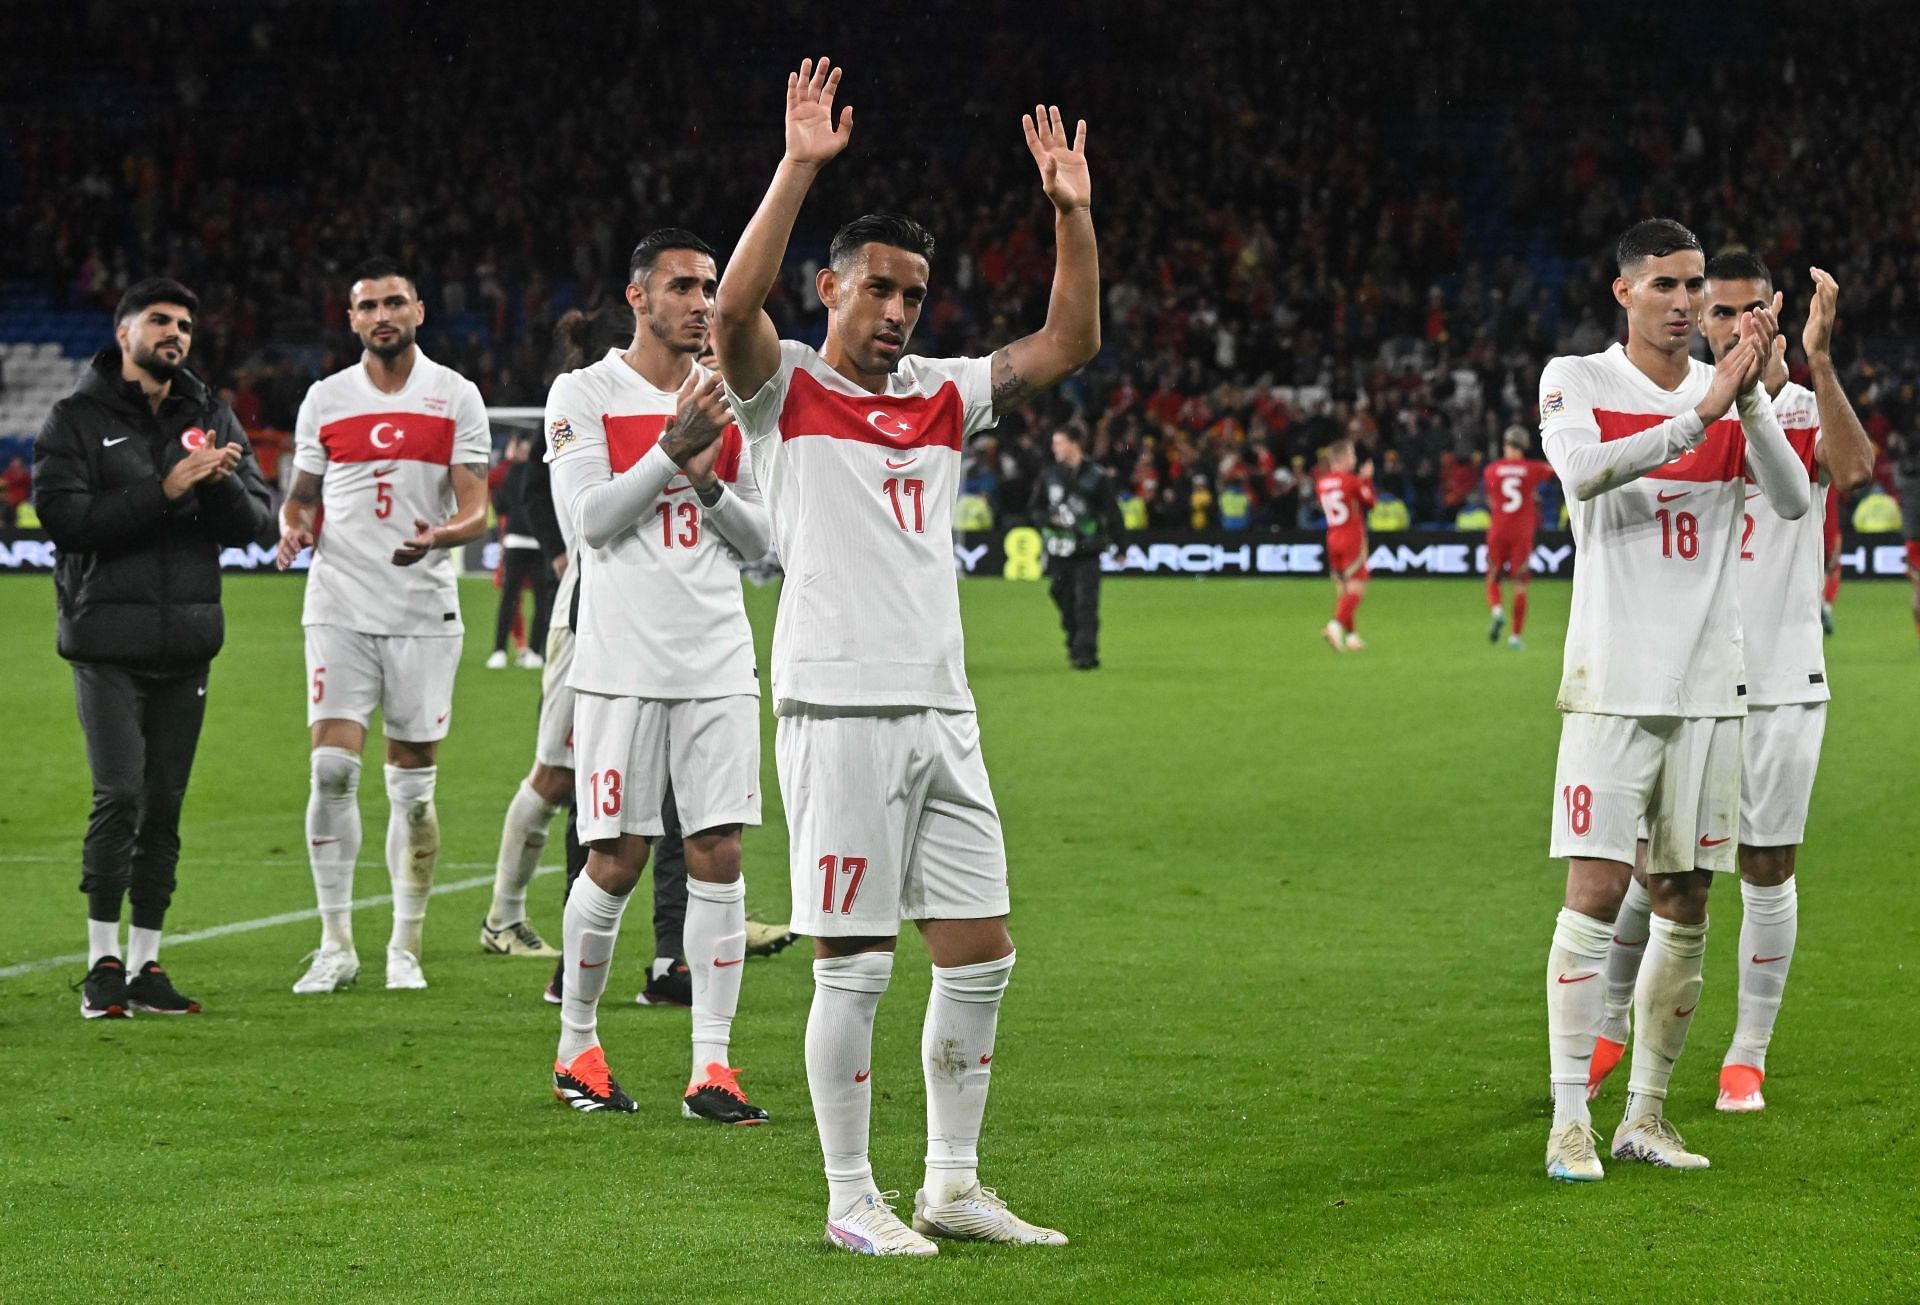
141 477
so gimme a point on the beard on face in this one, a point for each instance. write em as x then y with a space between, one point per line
668 334
391 349
150 361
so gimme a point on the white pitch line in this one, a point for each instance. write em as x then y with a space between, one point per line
269 921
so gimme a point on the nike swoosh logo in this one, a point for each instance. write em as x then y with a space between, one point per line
677 489
107 444
1753 496
720 964
1682 1014
386 471
594 966
1582 979
1768 960
1665 497
899 466
201 692
1712 842
863 1076
321 842
987 1059
441 719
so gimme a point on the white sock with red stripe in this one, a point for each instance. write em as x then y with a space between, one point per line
716 941
1663 1007
588 931
846 993
413 849
1628 949
523 837
333 841
956 1054
1575 1004
1767 935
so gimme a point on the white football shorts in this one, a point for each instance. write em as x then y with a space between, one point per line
408 677
1681 774
1782 752
626 750
553 744
889 818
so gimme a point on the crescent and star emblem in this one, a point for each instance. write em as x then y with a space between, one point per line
373 436
888 424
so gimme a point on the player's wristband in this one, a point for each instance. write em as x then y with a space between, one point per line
710 495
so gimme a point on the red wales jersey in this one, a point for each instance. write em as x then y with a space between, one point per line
1511 486
1344 499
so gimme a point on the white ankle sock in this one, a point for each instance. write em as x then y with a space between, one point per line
1627 951
522 839
1663 1007
333 841
846 993
956 1055
103 940
1767 935
589 929
143 945
413 846
716 943
1575 1005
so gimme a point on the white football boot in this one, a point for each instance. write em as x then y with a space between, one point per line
403 969
1572 1156
1654 1139
333 968
872 1228
979 1215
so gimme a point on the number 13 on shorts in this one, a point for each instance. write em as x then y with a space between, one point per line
840 877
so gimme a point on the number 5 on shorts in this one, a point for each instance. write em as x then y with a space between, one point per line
854 867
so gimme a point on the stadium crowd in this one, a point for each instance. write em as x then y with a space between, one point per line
1283 264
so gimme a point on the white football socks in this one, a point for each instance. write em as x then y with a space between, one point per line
846 993
956 1054
143 946
1767 936
103 940
413 846
716 943
1628 950
1664 1002
333 841
522 839
588 931
1576 1002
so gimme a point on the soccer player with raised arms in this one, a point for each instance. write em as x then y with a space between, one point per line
889 811
1782 567
656 483
1653 687
387 448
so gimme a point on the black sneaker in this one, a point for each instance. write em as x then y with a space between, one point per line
674 988
555 985
587 1085
103 993
152 992
720 1099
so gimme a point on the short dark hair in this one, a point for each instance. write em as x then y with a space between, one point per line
379 268
656 243
880 229
142 295
1738 265
1652 238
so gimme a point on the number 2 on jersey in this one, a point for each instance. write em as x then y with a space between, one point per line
911 491
854 867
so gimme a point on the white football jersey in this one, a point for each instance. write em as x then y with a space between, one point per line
1655 626
1783 568
384 459
862 488
661 609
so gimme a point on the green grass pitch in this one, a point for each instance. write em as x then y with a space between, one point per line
1276 1033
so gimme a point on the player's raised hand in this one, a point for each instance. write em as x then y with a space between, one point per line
417 547
1761 326
700 415
292 544
1730 379
811 136
1817 339
1062 164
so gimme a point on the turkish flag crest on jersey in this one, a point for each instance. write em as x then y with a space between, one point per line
193 438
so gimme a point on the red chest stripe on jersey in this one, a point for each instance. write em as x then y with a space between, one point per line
1720 456
389 437
912 422
630 439
1802 439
